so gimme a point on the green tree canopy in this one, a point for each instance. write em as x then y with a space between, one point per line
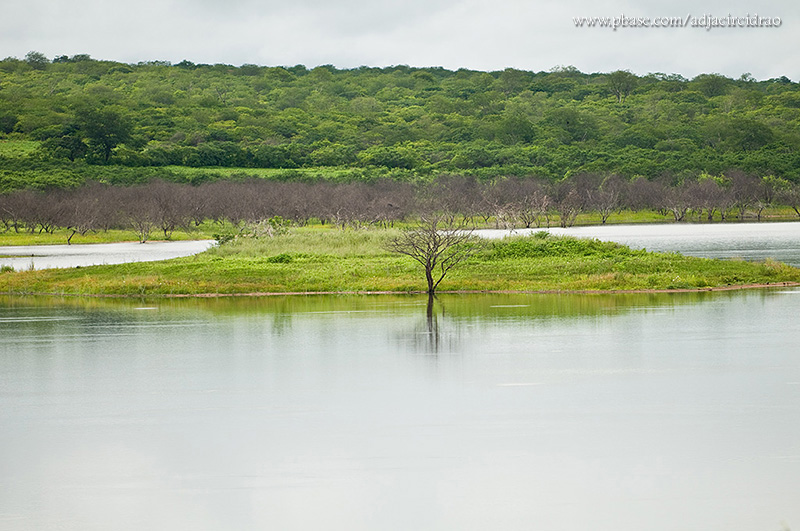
103 127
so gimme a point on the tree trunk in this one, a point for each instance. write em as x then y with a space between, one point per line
429 277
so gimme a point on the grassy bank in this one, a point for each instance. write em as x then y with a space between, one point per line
59 236
335 261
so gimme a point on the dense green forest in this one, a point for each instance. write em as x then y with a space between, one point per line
74 119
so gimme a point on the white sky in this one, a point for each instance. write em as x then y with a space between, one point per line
476 34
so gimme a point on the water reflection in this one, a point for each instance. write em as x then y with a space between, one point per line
461 306
425 337
434 337
415 322
608 412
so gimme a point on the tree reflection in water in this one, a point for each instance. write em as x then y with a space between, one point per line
435 334
433 326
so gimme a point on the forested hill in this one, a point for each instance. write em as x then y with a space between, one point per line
78 112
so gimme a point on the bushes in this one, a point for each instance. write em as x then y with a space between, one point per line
541 245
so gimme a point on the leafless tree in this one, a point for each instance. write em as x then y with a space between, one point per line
678 201
790 196
450 196
14 208
745 190
169 203
139 211
607 196
568 202
643 194
706 195
84 209
198 204
501 201
535 203
437 246
348 204
388 201
770 189
43 211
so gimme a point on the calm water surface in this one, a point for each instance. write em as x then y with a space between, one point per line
24 257
602 412
748 241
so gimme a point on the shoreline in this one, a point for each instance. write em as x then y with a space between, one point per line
734 287
313 262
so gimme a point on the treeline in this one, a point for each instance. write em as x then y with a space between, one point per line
260 205
398 121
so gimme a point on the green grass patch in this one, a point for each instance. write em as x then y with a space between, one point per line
335 261
205 231
328 173
17 148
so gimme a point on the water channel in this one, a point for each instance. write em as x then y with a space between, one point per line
553 412
746 241
25 257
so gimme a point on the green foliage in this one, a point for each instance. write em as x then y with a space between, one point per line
541 244
103 127
396 121
37 60
283 258
223 238
8 122
15 149
621 83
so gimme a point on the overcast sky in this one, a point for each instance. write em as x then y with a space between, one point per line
476 34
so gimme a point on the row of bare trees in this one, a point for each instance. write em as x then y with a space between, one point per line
514 202
160 207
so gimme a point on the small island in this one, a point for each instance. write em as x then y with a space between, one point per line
330 260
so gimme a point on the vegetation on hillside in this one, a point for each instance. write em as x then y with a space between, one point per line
78 117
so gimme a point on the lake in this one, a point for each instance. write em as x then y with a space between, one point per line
747 241
609 412
555 412
24 257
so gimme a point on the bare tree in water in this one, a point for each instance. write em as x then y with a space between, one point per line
437 245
